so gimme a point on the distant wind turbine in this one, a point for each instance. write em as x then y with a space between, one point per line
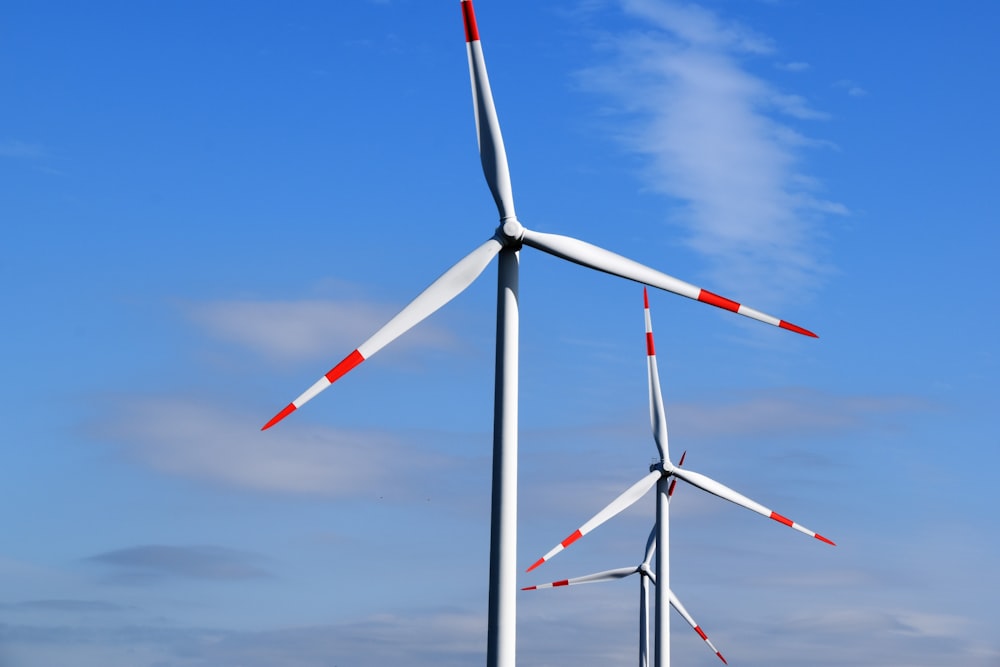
646 576
506 242
662 475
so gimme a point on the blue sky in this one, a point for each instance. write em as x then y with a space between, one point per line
205 207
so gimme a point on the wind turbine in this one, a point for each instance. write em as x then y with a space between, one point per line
646 576
662 475
506 242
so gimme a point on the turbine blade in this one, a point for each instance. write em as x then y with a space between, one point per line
593 257
657 415
632 494
607 575
708 484
673 482
491 149
451 283
676 603
650 549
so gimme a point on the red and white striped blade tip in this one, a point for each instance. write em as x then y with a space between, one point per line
701 633
727 304
334 374
802 529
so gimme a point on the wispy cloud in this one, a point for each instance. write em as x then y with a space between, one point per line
21 149
793 66
297 330
791 412
717 142
184 437
66 606
153 562
853 89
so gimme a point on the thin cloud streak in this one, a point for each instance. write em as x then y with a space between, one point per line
184 437
714 142
152 562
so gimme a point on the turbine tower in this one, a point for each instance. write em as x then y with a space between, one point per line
662 475
506 242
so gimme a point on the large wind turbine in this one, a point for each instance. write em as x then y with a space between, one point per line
646 576
506 242
662 475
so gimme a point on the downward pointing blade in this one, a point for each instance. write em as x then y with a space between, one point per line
657 415
676 603
593 257
673 482
708 484
632 494
491 149
607 575
451 283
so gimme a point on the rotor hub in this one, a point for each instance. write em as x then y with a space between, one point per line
511 230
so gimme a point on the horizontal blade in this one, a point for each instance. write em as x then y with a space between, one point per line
687 617
451 283
593 257
632 494
708 484
491 149
607 575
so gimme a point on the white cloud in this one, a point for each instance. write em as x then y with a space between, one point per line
184 437
789 412
708 128
793 66
853 89
298 330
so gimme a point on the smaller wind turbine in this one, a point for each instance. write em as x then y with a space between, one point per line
646 576
662 475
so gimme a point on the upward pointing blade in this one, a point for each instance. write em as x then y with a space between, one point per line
451 283
657 415
632 494
593 257
491 149
708 484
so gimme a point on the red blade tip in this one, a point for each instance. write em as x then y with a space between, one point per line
823 539
537 563
469 18
797 329
289 409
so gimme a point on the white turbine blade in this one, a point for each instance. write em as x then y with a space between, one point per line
491 149
451 283
650 549
657 415
708 484
593 257
632 494
607 575
676 603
